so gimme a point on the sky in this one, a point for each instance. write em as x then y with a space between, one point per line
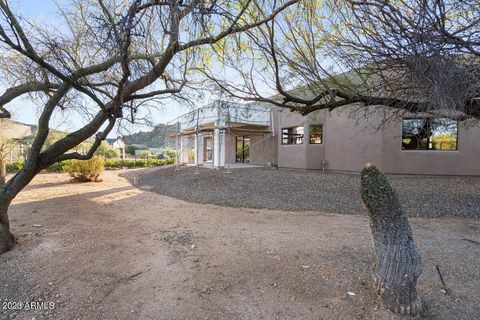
27 112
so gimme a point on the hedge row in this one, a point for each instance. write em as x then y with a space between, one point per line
140 163
109 164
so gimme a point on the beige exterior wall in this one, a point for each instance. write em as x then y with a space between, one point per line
349 144
302 156
464 161
263 148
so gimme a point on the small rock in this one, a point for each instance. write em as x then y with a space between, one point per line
306 267
192 246
50 283
350 293
37 225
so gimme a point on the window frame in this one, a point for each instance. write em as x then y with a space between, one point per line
429 141
288 136
310 134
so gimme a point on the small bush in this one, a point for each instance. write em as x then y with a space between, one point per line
171 153
146 154
58 166
86 170
15 166
129 164
113 164
107 151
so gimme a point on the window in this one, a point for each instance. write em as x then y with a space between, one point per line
292 135
316 134
429 134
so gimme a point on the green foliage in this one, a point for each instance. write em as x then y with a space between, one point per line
15 166
146 154
108 163
141 163
58 166
169 152
107 151
86 170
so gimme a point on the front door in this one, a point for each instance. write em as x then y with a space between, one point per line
243 149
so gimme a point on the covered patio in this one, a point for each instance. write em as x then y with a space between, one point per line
221 135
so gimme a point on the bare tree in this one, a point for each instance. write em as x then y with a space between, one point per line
112 57
404 57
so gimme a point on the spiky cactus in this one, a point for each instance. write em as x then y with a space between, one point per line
398 262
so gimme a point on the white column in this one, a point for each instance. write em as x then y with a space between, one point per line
195 148
200 149
177 153
222 148
181 150
216 148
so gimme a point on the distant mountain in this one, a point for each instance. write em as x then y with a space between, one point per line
152 139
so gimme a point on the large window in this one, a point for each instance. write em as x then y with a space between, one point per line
316 134
292 135
429 134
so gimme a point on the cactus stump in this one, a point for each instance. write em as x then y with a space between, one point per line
398 262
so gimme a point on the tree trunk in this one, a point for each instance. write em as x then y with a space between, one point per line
7 240
3 170
398 262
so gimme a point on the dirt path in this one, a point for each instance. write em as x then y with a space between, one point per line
111 251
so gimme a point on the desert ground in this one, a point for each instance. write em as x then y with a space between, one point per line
110 250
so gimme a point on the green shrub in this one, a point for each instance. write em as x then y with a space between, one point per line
146 154
171 153
58 166
86 170
129 164
139 163
15 166
106 150
113 164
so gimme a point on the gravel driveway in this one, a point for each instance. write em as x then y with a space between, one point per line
299 190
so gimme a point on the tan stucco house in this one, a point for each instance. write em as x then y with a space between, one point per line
224 133
20 133
118 144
